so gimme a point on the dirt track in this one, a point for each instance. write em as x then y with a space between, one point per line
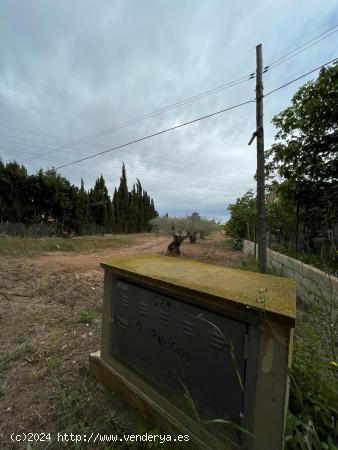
91 260
49 323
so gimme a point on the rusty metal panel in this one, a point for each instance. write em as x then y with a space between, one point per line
186 351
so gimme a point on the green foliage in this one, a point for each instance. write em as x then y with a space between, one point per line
313 405
322 261
133 210
88 316
307 132
100 205
48 198
186 225
304 156
141 430
77 413
243 216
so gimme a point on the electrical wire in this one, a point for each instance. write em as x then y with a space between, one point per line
158 133
300 77
200 175
305 46
229 84
201 95
158 111
195 120
169 180
223 86
176 161
188 100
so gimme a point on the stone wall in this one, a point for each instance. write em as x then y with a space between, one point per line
312 283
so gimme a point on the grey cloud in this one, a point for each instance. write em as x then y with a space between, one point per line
71 69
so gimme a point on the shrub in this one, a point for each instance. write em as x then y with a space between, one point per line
313 405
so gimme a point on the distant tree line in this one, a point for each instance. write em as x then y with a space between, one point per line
47 197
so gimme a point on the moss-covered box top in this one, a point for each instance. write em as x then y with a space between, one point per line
238 287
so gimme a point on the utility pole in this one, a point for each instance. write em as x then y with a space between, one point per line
261 215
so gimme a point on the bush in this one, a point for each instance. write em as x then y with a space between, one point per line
313 405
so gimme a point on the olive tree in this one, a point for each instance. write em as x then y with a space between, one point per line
181 228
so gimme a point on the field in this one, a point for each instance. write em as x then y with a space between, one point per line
50 306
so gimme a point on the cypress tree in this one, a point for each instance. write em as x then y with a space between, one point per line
123 202
47 197
101 208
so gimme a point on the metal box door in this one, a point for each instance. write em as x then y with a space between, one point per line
194 356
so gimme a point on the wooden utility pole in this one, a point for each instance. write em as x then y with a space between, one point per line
261 215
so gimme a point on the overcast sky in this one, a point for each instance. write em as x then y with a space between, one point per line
70 69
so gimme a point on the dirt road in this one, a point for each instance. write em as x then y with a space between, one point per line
50 310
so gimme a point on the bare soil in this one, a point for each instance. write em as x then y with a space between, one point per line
50 310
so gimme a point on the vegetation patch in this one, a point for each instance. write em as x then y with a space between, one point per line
88 315
19 352
323 260
29 246
313 405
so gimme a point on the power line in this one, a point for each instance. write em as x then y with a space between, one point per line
195 120
300 77
156 112
233 177
177 181
201 95
160 111
37 144
302 48
157 133
131 121
206 93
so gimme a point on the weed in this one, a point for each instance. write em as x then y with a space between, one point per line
83 409
37 374
8 358
54 362
249 263
141 430
88 316
313 406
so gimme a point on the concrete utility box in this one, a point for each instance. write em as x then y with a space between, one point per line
199 349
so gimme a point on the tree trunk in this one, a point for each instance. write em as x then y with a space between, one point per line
193 238
174 247
248 230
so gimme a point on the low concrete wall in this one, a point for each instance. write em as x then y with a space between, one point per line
312 283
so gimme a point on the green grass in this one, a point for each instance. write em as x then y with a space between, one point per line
232 243
88 315
313 405
30 246
8 358
82 408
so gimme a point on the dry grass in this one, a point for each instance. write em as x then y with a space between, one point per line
31 247
50 310
50 322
